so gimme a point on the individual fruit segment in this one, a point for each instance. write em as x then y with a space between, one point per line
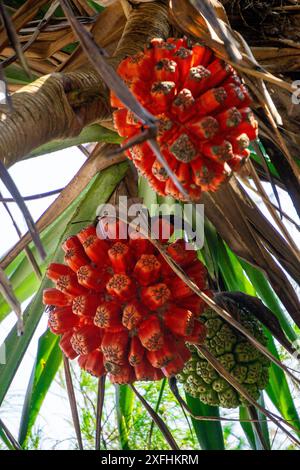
133 314
120 257
86 305
56 270
202 107
96 249
198 333
75 256
108 315
66 346
121 287
147 269
136 352
86 339
56 297
61 319
126 375
115 346
156 296
208 173
182 253
144 371
170 369
90 278
93 363
125 312
179 320
150 333
69 285
162 357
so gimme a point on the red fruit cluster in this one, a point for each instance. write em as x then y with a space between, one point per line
119 306
205 124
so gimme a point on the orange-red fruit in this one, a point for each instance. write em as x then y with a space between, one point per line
141 246
147 269
125 376
179 320
95 249
127 315
114 346
136 352
182 253
66 346
61 319
86 305
194 303
179 289
75 256
144 370
151 334
120 257
108 315
202 109
133 314
68 284
162 357
121 287
173 367
182 351
93 363
57 298
56 270
156 296
90 278
198 334
86 339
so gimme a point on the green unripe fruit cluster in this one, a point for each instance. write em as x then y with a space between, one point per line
238 356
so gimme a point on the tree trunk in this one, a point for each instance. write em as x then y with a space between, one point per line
58 106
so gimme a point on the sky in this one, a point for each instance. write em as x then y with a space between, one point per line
34 176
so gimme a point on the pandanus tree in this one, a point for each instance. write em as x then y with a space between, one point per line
193 101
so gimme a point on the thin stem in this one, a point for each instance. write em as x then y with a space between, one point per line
158 421
33 197
72 401
100 403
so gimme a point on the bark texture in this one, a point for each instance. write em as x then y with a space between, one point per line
60 105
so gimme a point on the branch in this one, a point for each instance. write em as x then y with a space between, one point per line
59 106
